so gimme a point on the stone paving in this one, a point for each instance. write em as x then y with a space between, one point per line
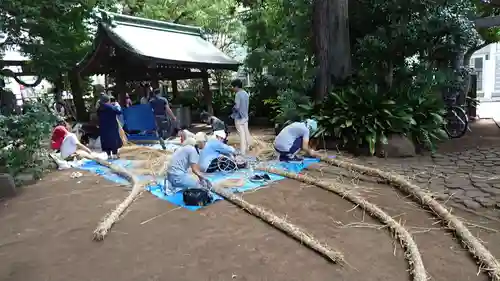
471 177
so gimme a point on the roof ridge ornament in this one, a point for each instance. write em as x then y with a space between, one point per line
114 19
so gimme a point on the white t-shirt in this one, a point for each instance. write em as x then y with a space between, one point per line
68 146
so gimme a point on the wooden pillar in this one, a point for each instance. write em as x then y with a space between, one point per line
155 82
175 89
121 88
207 94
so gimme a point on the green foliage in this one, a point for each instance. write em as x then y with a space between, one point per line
22 138
54 34
401 52
362 115
481 10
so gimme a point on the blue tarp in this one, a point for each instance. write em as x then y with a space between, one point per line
176 199
139 117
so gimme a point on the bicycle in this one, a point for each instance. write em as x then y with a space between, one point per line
457 119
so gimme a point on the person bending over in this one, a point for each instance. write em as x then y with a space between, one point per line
65 142
178 175
214 157
215 123
295 137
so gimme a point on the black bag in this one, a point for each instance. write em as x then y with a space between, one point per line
197 197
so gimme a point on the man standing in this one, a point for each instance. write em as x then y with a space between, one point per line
240 115
164 116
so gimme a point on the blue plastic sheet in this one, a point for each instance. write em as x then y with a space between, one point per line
139 117
176 199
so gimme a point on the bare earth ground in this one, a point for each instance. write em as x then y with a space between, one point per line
45 234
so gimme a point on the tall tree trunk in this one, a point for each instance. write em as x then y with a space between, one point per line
332 45
58 88
323 39
77 92
341 47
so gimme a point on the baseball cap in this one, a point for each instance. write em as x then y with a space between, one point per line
57 137
312 125
200 137
220 133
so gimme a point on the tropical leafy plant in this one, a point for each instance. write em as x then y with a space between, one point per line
361 115
424 101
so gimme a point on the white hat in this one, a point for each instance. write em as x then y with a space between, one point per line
220 133
200 137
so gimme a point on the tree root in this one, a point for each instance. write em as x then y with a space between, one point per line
488 262
413 255
281 224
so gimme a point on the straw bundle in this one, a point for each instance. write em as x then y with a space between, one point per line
475 247
123 136
147 160
412 253
281 224
137 188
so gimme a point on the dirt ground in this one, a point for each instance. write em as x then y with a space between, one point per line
46 234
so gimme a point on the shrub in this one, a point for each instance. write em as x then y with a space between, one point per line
361 115
22 138
425 103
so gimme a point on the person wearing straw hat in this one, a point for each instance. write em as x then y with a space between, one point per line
217 155
295 137
186 157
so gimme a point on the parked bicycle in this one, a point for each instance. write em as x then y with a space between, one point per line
457 120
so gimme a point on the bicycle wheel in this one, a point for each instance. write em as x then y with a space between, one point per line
457 122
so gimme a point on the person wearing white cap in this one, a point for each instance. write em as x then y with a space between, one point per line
186 157
295 137
215 153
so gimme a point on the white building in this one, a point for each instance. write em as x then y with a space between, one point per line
486 63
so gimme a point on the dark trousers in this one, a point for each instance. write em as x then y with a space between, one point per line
164 126
296 146
112 151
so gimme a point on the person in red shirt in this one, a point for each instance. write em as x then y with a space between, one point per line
65 142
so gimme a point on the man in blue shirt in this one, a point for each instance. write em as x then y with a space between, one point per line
240 115
295 137
217 156
164 116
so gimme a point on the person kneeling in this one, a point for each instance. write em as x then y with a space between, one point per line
65 142
295 137
217 156
186 157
